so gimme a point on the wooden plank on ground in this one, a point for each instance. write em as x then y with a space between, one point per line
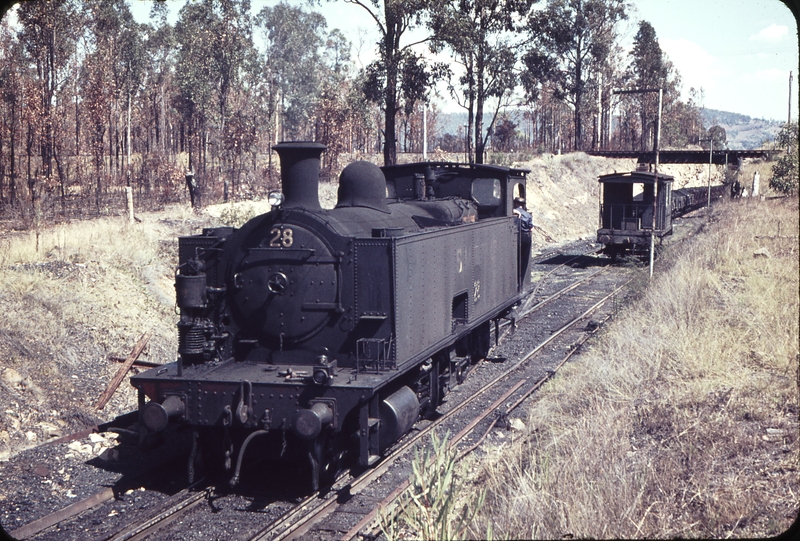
137 362
32 528
137 350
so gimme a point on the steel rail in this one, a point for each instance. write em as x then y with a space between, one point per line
294 518
177 503
564 291
32 528
556 295
36 526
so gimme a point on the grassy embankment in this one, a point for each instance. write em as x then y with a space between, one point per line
71 295
680 420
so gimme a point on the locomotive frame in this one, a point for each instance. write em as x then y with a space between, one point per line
325 333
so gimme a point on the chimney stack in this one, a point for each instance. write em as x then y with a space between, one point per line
300 165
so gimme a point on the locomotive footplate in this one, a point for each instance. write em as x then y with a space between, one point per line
280 398
212 392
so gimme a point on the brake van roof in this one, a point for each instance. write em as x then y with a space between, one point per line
635 177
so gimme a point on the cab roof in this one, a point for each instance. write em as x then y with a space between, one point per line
492 170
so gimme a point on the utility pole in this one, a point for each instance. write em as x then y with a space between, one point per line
424 132
710 159
656 144
466 143
789 118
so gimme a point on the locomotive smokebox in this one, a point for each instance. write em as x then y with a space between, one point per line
300 164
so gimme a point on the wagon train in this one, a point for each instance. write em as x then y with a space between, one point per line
321 334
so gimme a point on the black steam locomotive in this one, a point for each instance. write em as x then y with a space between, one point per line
322 334
627 206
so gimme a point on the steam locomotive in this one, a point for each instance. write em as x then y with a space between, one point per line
324 334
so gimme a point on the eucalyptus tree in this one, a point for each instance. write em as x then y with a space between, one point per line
48 35
159 45
194 73
717 137
233 48
96 97
113 70
340 112
383 77
480 36
570 41
415 81
213 40
233 54
649 68
292 66
786 171
12 68
128 68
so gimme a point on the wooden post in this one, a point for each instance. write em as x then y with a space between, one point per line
137 350
129 197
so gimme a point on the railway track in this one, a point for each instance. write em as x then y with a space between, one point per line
369 527
172 509
328 515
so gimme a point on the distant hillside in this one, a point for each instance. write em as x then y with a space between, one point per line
742 131
453 122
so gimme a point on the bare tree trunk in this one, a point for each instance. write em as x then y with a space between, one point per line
13 179
128 145
2 167
165 143
479 146
577 113
31 178
470 114
110 143
391 41
77 125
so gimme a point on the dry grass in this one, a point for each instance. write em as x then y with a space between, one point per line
682 419
72 295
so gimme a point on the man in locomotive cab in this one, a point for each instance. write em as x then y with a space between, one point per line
524 221
524 218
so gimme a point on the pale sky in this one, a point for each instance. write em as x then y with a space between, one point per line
740 52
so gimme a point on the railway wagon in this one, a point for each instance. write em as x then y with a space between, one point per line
627 205
322 334
689 199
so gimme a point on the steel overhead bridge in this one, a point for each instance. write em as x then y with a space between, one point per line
719 157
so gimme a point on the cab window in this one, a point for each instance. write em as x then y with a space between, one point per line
486 192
